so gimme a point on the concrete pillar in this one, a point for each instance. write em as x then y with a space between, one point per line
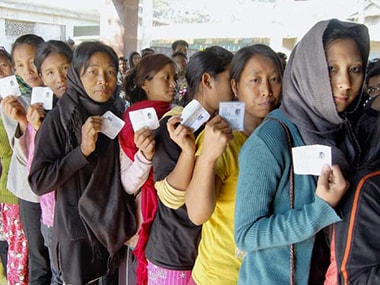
119 24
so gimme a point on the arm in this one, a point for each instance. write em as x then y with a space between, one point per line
51 166
180 176
134 173
202 191
261 218
15 122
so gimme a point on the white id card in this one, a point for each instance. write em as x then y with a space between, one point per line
233 113
146 117
309 160
194 115
112 124
9 86
43 95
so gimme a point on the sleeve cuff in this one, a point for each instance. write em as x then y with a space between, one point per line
169 196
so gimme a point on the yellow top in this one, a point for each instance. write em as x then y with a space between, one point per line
217 261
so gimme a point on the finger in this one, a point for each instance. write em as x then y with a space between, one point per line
338 176
173 123
324 178
143 141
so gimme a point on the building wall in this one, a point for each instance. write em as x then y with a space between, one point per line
18 18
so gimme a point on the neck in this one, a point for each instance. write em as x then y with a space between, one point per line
251 123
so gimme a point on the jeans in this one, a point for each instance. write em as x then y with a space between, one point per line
47 233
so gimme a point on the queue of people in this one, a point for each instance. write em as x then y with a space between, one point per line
179 205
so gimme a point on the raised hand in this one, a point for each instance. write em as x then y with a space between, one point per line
14 109
35 115
216 137
331 185
144 140
90 130
183 136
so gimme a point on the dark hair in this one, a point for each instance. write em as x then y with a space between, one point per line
373 69
147 67
130 58
51 47
335 31
147 51
179 43
30 39
122 58
212 60
86 49
180 54
244 54
5 53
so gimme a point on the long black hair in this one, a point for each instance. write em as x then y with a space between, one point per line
212 60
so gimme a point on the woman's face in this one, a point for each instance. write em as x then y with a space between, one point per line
346 71
5 67
221 91
23 57
135 59
54 72
163 84
100 77
259 86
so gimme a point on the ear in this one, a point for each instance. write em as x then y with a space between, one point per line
145 87
234 87
206 80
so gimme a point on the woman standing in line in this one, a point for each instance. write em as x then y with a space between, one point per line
173 239
150 84
52 62
321 86
17 255
15 122
354 247
256 74
79 162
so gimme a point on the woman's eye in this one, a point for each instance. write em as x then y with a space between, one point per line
356 69
331 68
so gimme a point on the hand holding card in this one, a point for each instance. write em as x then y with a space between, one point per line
43 95
194 115
310 159
112 125
146 117
9 86
233 113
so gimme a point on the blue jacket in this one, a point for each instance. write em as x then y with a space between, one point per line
265 227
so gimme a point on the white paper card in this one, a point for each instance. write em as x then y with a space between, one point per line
43 95
309 160
9 86
233 113
112 124
146 117
194 115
